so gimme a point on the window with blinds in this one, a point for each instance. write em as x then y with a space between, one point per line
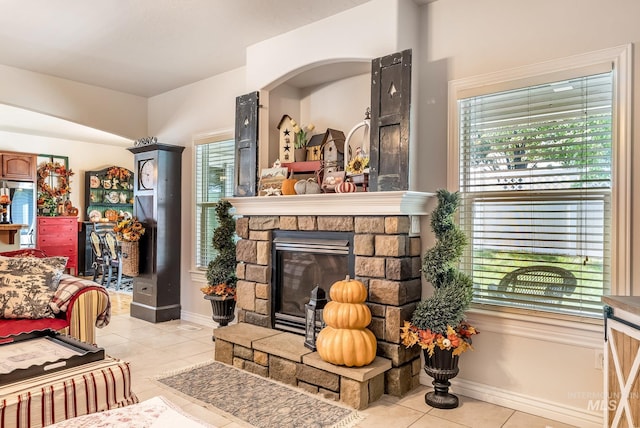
536 181
214 181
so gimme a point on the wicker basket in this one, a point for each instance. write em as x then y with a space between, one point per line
130 257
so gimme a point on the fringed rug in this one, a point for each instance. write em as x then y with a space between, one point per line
261 402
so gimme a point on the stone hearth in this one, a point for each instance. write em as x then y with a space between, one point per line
387 251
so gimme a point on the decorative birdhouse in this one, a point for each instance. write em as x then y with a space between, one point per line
285 129
314 147
333 150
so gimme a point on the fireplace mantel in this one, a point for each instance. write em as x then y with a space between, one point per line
326 204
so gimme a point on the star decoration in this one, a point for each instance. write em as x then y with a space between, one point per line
287 132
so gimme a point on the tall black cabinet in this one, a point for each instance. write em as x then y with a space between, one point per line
157 203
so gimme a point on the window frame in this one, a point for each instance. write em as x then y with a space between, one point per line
209 138
584 64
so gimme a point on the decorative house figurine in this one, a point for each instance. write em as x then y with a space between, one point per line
333 150
314 147
285 128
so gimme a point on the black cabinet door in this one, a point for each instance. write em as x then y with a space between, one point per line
246 161
390 106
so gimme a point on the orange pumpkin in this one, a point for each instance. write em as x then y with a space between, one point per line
346 315
345 341
346 347
348 291
288 185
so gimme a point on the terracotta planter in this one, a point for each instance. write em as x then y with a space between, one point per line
300 155
223 309
441 366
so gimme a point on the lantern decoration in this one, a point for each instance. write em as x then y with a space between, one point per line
313 316
5 201
346 341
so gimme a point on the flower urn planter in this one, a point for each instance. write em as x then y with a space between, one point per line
223 309
441 366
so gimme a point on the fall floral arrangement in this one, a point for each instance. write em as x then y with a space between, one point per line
439 319
129 229
222 290
45 188
300 134
221 271
122 174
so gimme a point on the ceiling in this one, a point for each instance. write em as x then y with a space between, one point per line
140 47
146 47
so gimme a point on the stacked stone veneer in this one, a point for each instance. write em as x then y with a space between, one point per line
387 261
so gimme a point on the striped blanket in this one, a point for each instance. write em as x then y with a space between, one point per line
69 286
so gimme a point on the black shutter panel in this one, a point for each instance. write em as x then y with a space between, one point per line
390 105
246 145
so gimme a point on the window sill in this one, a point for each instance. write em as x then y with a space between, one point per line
198 275
577 331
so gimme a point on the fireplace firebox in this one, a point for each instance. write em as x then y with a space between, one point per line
303 260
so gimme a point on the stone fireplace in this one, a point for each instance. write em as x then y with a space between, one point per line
372 236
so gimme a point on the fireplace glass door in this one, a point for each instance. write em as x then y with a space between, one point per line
305 260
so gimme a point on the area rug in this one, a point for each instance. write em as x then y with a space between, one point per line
259 401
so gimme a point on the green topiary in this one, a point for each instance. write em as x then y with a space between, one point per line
453 289
222 269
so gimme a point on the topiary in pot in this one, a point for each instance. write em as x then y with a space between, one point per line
437 324
221 271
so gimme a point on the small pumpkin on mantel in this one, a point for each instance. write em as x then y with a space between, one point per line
307 187
346 187
346 341
288 185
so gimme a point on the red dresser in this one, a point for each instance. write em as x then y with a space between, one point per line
58 236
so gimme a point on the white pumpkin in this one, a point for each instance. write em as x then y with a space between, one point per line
307 187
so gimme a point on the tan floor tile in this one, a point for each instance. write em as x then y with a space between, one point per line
164 339
185 350
526 420
107 340
429 421
207 415
475 413
382 414
415 400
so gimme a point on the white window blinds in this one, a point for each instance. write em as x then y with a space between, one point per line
535 180
214 181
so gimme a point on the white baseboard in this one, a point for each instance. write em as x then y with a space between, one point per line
524 403
198 319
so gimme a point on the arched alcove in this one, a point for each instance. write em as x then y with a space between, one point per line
330 94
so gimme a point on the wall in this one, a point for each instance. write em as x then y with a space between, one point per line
540 365
83 156
341 37
110 111
179 117
338 105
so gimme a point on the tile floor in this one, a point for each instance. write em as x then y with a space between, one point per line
155 349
